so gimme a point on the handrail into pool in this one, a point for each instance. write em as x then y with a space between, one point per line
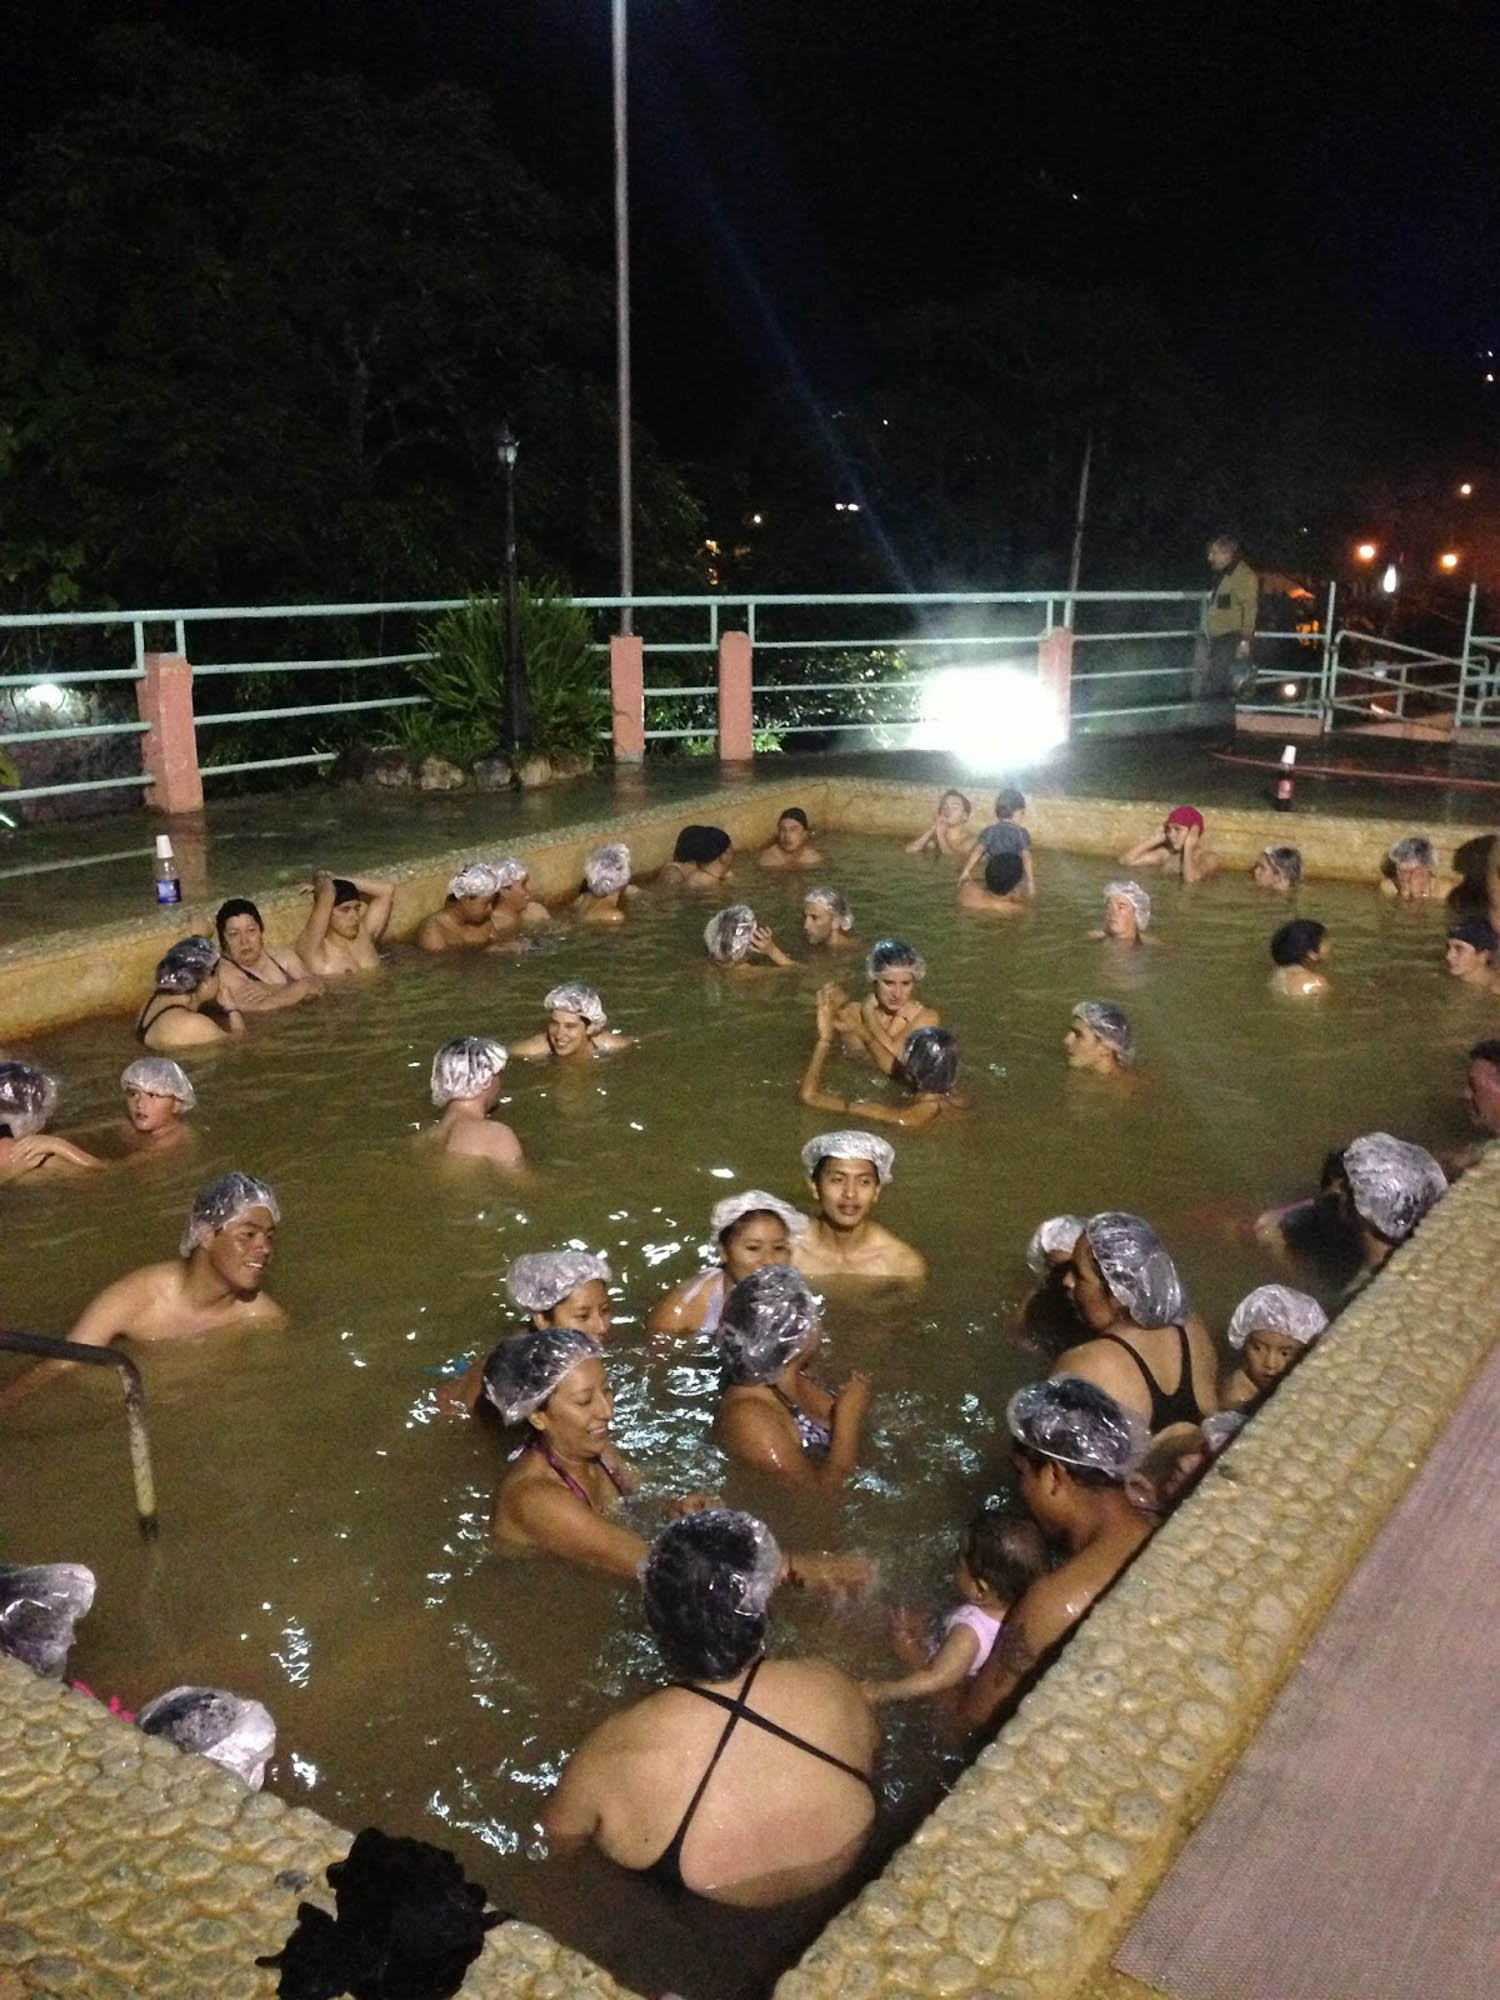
14 1342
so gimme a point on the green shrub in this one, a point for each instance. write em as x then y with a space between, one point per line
465 679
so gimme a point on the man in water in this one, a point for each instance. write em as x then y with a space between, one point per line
1073 1448
213 1284
251 976
848 1172
467 1079
464 921
575 1028
791 848
347 921
828 921
516 909
880 1024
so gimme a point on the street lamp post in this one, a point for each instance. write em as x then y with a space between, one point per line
622 310
517 704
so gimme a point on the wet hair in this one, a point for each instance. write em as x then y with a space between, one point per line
1009 802
1003 872
928 1061
1297 940
1485 1052
1478 932
1006 1551
698 845
345 891
1287 861
953 793
796 813
706 1583
237 906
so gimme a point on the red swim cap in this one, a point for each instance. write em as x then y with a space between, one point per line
1185 816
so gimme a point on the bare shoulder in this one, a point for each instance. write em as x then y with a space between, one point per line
900 1259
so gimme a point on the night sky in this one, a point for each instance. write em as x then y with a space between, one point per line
1291 186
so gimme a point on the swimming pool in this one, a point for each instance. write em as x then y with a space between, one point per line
415 1680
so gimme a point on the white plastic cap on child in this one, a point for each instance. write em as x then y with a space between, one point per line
1276 1309
159 1076
466 1067
1053 1238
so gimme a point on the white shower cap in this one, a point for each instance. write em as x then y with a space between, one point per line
1135 895
159 1076
1075 1423
727 934
751 1201
40 1603
1276 1309
28 1098
850 1146
1393 1183
508 872
186 965
1053 1238
475 878
543 1278
1137 1272
607 869
836 904
887 954
765 1324
222 1202
574 998
465 1067
1110 1024
230 1731
1415 851
524 1370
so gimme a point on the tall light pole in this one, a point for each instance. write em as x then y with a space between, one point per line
622 314
517 705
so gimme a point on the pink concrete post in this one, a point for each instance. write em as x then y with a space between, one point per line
627 696
169 748
1054 665
736 730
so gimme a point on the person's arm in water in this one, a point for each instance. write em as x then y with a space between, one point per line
561 1524
310 938
22 1156
572 1817
754 1432
911 1117
102 1321
972 859
927 838
379 897
1028 869
764 945
948 1667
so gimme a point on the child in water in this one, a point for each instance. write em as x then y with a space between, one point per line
999 1556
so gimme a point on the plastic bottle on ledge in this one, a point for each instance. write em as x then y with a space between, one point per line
1286 783
168 881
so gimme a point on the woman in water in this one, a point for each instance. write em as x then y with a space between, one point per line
880 1024
554 1289
28 1098
772 1414
927 1066
252 977
736 935
575 1029
702 858
185 1011
751 1229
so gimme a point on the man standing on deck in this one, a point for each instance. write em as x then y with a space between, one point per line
1223 667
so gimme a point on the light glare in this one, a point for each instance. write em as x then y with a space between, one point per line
1366 551
1448 560
989 717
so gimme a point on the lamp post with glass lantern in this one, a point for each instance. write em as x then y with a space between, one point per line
517 705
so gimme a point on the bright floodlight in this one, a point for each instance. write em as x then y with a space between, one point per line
1466 490
1366 551
1448 560
1388 580
989 717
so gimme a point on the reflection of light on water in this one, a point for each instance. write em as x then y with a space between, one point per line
305 1769
990 718
296 1661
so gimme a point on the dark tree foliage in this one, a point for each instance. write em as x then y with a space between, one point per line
256 339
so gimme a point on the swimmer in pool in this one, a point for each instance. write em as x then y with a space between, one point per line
703 858
791 848
28 1099
252 977
553 1288
185 1010
1278 869
999 1557
1002 893
606 885
827 921
880 1024
1371 1197
1178 847
1126 1291
213 1285
949 831
1482 1088
1127 915
1005 835
749 1779
1099 1039
1300 951
1048 1316
158 1097
515 908
348 919
1471 953
1409 871
848 1172
1272 1327
772 1414
927 1066
575 1030
750 1229
734 936
464 923
467 1079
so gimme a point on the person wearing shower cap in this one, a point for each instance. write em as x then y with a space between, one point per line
927 1067
879 1025
575 1028
1409 871
349 917
1391 1186
1126 1290
158 1097
40 1604
702 858
1278 869
1177 846
28 1098
734 936
1471 953
1048 1317
1074 1449
515 908
556 1290
789 1810
747 1230
1052 1241
186 1009
1127 915
848 1172
468 1076
1099 1039
606 885
828 921
1272 1326
791 848
464 923
773 1414
236 1734
214 1284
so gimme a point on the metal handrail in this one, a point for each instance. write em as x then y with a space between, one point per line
135 1407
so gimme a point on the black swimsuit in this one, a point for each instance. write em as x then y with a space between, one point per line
667 1867
142 1024
1181 1407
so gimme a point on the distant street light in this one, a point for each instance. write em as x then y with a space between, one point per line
1466 490
517 704
1389 580
1366 552
1448 560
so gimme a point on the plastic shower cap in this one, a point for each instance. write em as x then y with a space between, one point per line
465 1067
766 1322
40 1603
543 1278
508 872
572 997
1075 1423
888 954
159 1076
525 1370
475 878
752 1201
1135 895
728 933
1415 851
706 1583
187 965
1393 1183
1053 1238
607 870
850 1146
227 1729
1287 861
220 1203
929 1060
28 1098
836 904
1137 1272
1221 1429
1109 1023
1276 1309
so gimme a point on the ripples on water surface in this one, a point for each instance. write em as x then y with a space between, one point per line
324 1544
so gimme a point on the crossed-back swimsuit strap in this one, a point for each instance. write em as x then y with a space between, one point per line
1181 1407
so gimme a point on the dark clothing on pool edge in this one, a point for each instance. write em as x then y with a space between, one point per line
1181 1407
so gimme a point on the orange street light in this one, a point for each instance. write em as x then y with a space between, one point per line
1448 560
1366 551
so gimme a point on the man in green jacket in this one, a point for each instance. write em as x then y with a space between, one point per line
1222 664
